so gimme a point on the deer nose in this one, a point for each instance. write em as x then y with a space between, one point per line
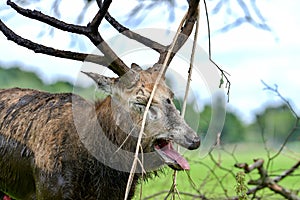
195 143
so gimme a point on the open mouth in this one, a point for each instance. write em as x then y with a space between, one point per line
170 156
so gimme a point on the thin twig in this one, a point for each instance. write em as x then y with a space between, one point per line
220 166
161 73
294 129
223 72
185 32
187 88
212 171
194 196
276 91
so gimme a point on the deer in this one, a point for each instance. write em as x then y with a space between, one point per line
58 146
42 156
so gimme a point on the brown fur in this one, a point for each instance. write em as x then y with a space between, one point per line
39 127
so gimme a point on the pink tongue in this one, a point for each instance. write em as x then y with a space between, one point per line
174 155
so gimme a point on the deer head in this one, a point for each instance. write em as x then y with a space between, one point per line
164 125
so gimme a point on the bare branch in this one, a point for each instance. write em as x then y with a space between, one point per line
112 61
283 192
185 32
132 35
266 181
37 15
257 164
287 172
276 91
38 48
94 25
117 65
293 130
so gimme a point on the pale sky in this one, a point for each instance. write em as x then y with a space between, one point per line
248 54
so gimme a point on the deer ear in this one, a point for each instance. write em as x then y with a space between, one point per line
155 68
104 83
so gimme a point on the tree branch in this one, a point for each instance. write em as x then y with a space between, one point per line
37 15
38 48
100 15
132 35
258 163
266 181
113 62
185 32
287 172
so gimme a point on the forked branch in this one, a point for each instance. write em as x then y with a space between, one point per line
110 59
91 31
265 180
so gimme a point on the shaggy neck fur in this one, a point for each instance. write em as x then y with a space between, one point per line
118 124
116 129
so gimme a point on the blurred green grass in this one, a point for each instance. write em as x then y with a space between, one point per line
213 182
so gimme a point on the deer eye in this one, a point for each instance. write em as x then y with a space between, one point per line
140 107
168 101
